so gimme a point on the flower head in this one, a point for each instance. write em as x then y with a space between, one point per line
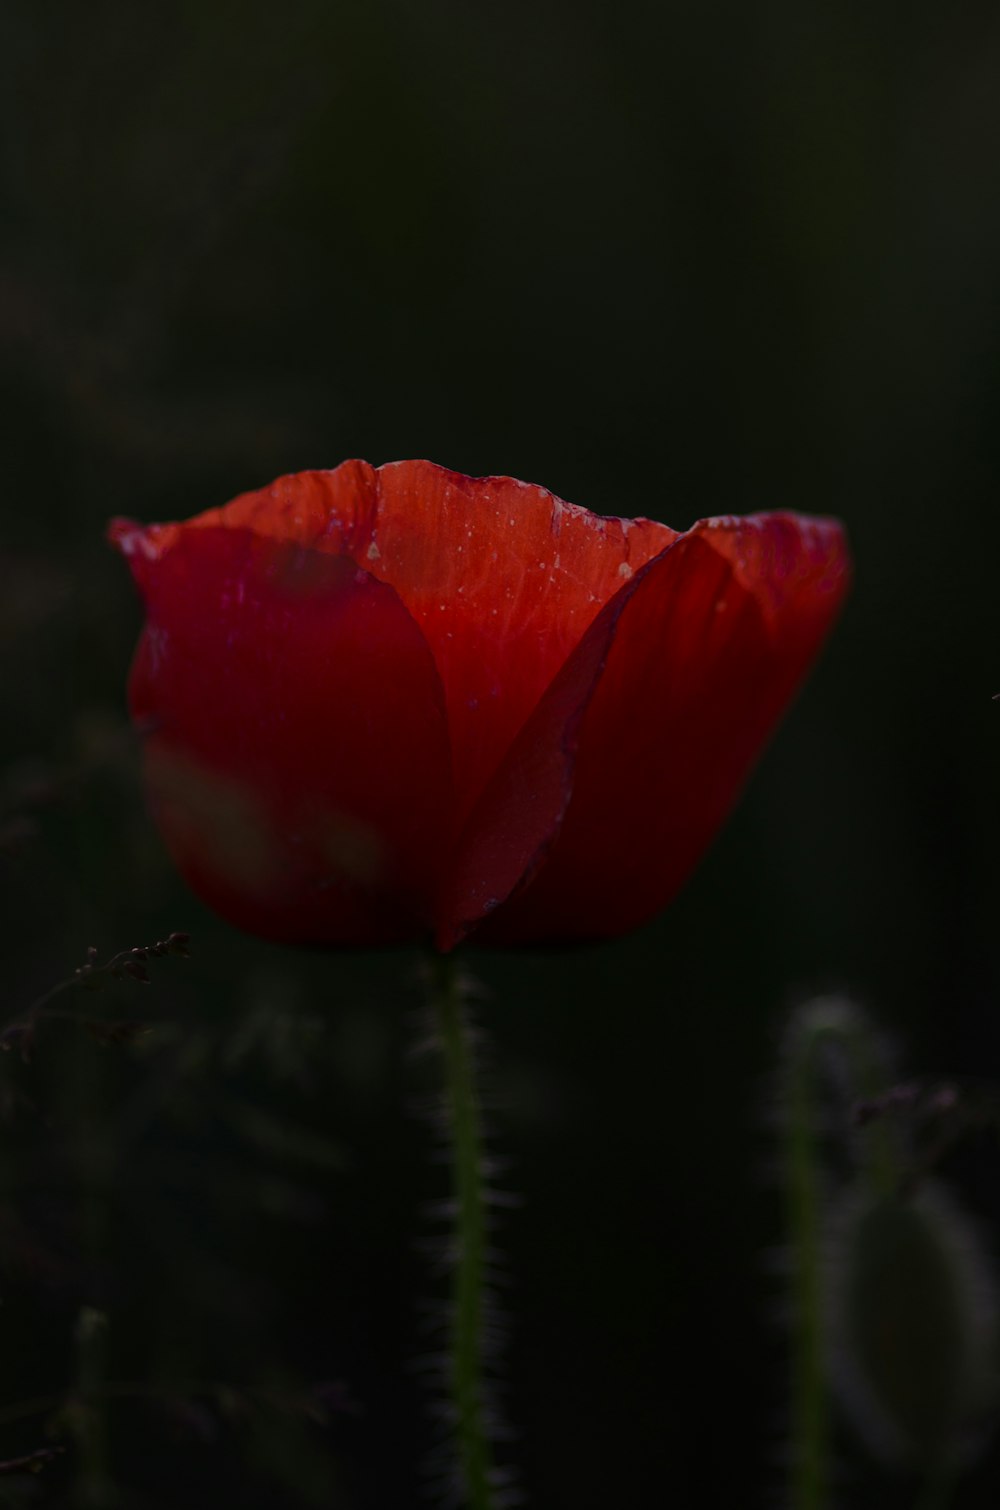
385 703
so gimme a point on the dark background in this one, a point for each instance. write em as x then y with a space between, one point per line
673 260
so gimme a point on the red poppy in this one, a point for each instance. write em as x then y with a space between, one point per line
386 703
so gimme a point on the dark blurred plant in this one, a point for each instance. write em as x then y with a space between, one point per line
894 1310
128 964
95 1141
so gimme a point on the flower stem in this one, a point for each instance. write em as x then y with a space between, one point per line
823 1025
466 1337
94 1487
810 1424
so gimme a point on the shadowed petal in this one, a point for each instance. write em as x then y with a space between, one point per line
297 748
517 817
648 754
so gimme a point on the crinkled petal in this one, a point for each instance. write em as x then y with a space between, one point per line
297 748
704 652
503 578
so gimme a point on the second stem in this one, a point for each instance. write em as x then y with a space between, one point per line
466 1337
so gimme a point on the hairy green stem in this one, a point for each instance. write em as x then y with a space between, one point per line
466 1339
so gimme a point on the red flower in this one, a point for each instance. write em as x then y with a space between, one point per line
385 703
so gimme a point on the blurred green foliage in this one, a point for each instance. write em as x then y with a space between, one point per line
672 260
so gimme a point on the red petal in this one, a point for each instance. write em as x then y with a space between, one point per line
298 747
326 511
517 817
705 650
503 578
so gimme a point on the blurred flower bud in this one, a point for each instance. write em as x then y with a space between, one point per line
912 1325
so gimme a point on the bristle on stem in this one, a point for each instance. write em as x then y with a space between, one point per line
470 1342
